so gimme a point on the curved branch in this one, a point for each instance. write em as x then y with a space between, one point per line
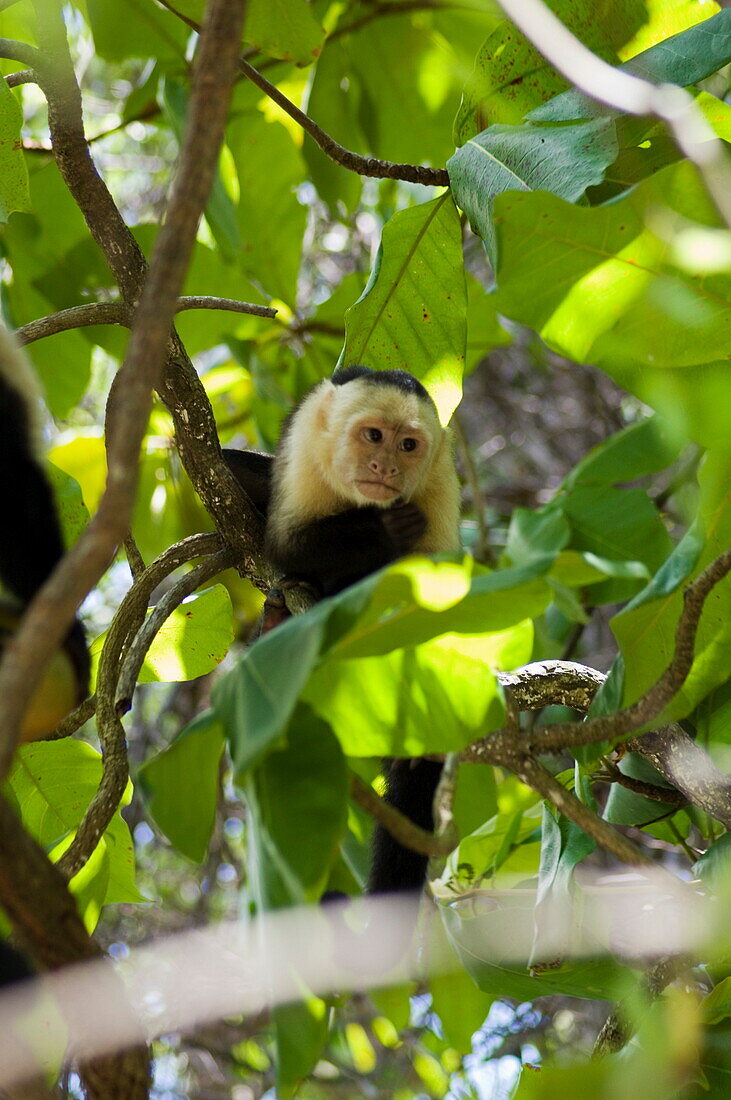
19 51
127 621
354 162
631 718
121 313
166 605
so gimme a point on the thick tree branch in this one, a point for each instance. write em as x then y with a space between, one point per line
48 926
121 313
51 612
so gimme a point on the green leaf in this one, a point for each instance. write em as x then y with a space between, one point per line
405 110
72 512
300 1032
482 853
643 448
436 697
714 866
270 218
256 700
220 209
285 29
412 314
52 783
193 640
484 330
298 800
614 299
480 939
684 58
620 525
645 630
717 1005
563 846
624 807
562 159
181 786
399 609
337 114
536 536
137 28
14 191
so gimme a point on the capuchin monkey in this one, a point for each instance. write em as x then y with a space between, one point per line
363 475
31 545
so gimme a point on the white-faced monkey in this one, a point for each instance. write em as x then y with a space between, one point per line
363 475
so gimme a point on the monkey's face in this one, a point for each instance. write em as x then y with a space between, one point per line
378 442
385 460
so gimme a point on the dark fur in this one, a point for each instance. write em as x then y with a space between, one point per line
31 545
331 554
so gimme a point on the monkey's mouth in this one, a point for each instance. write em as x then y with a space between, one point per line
377 490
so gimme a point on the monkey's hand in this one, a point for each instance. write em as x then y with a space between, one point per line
405 523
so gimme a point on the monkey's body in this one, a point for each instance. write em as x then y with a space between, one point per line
30 547
363 475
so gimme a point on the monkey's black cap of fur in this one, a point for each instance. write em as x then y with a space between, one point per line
399 379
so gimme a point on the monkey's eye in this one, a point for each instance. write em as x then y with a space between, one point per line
409 444
373 435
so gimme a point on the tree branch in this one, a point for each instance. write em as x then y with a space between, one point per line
398 825
53 608
631 718
354 162
121 313
127 621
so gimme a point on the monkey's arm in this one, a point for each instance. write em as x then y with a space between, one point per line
335 551
253 471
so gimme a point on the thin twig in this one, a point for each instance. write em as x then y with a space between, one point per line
354 162
120 313
23 76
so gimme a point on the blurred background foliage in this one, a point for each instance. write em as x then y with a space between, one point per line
574 240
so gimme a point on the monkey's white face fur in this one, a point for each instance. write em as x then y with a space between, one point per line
365 444
378 442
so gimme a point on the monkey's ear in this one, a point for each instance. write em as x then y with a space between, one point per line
253 471
58 692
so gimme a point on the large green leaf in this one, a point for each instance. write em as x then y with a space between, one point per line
285 29
52 783
182 784
137 28
14 193
511 77
562 159
683 58
387 616
298 798
645 630
193 640
614 297
412 314
271 220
